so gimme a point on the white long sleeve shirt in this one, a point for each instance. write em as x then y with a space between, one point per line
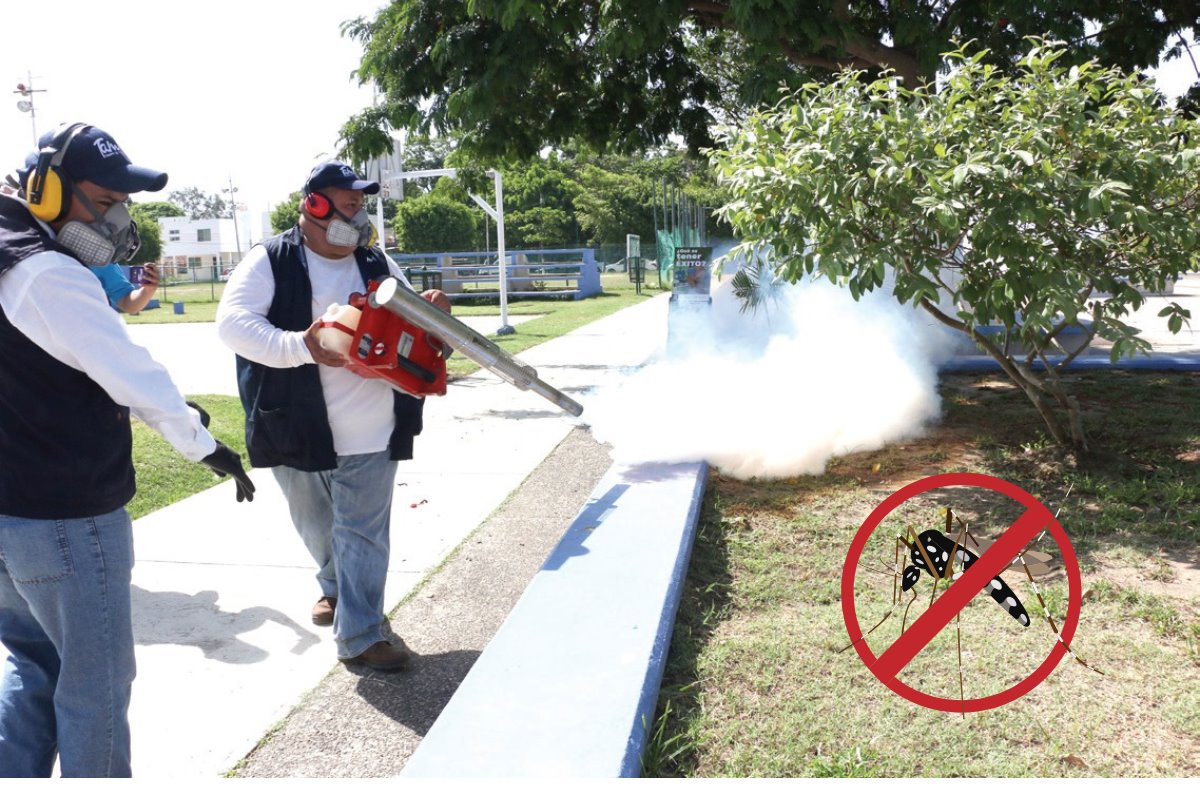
360 409
60 306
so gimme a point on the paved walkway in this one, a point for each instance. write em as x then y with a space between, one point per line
359 723
1154 328
223 591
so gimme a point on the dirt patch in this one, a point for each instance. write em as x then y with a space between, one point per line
1166 573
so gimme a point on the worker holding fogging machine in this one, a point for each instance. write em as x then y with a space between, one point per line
315 316
331 438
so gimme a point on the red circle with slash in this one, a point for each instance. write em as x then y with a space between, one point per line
1033 521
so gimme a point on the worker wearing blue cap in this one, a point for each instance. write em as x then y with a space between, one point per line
331 437
70 377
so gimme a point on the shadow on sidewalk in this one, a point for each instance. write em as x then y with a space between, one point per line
414 698
196 620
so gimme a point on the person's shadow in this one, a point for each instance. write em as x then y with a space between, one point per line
415 697
197 621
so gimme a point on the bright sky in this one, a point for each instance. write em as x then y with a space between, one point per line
255 90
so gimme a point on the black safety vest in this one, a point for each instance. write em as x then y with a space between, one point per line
286 420
65 445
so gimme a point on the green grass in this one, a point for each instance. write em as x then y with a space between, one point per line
199 300
757 682
164 476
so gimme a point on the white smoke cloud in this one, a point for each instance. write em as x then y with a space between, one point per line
778 392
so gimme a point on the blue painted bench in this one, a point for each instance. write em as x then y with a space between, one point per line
565 273
568 685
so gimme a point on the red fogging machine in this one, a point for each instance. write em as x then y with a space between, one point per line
399 336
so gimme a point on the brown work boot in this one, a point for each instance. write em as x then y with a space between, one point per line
322 613
382 656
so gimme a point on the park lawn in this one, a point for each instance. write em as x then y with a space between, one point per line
199 301
165 477
758 683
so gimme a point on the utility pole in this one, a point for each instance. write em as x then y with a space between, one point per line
26 90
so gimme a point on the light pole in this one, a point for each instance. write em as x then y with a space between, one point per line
233 212
26 91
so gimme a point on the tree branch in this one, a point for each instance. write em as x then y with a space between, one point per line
904 65
824 62
948 13
946 319
876 53
707 7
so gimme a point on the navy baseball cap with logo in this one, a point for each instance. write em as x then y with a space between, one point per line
339 175
93 155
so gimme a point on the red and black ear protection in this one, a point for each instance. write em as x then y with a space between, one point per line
318 205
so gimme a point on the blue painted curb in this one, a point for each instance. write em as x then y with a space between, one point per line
568 685
1159 362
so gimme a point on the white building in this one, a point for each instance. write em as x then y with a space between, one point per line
204 249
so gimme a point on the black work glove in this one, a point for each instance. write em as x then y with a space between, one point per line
224 461
204 417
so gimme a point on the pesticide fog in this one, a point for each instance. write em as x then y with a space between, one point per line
777 392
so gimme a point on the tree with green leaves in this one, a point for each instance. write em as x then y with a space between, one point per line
435 223
200 205
1038 200
285 215
157 209
539 203
610 205
149 233
510 77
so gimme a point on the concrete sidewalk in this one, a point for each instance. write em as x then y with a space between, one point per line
1154 328
222 591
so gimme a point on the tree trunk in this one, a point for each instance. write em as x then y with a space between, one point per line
1040 393
1072 436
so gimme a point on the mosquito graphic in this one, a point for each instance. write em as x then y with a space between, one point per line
936 554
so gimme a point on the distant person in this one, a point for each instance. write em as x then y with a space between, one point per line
331 437
122 294
69 379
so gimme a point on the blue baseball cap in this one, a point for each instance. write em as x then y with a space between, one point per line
93 155
339 175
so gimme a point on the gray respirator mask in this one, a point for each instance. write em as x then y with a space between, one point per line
107 239
356 231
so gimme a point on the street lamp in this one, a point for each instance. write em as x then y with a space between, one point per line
26 91
233 212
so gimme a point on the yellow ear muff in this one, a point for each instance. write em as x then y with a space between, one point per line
48 187
48 190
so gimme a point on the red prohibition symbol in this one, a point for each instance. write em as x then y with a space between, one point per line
992 561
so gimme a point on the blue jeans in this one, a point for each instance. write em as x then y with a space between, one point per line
65 623
343 516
